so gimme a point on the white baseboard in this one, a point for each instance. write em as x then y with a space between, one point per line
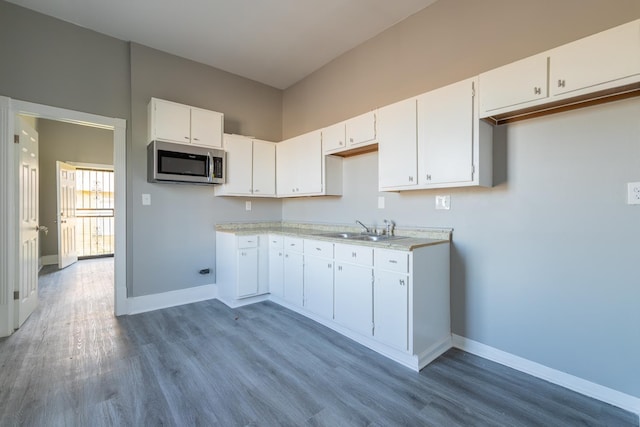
171 299
588 388
49 259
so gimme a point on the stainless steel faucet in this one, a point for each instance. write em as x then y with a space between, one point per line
390 226
364 226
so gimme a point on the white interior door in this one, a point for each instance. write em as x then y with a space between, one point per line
27 157
66 218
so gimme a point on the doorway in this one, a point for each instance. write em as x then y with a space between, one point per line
9 267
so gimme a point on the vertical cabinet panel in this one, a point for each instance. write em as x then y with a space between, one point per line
391 309
293 276
247 272
397 145
264 168
445 134
239 166
354 297
318 286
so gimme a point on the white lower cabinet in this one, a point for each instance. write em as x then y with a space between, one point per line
241 267
391 316
353 288
276 265
293 271
318 278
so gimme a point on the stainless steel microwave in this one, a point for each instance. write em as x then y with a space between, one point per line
181 163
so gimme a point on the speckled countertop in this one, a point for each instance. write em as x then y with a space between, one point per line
412 237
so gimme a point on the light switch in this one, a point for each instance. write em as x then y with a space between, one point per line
443 202
380 202
247 206
146 199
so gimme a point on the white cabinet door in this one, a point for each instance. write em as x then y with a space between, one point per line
170 121
596 60
397 145
247 272
286 168
264 168
293 276
333 138
445 134
353 291
206 128
276 272
514 85
391 309
239 166
308 163
361 130
318 286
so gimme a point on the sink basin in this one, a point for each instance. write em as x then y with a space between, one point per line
343 235
362 236
376 238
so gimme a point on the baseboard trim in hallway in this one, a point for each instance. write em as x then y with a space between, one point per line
577 384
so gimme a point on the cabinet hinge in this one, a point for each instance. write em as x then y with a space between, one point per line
373 328
16 139
16 295
473 170
473 89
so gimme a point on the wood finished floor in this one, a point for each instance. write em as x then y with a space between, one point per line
73 363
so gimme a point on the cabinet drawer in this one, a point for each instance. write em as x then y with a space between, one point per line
361 255
397 261
293 244
276 242
318 248
247 241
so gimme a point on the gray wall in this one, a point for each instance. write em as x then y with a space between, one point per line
542 263
175 237
54 63
69 143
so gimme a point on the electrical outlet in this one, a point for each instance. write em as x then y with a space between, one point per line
146 199
247 206
633 193
380 202
443 202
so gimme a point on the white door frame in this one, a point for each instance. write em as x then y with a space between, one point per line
9 108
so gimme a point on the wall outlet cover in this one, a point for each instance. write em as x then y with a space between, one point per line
380 202
633 193
146 199
247 205
443 202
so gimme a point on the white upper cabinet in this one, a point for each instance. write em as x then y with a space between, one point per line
251 167
397 146
361 130
515 85
454 147
170 121
264 168
333 138
597 62
350 135
239 166
303 170
595 67
206 128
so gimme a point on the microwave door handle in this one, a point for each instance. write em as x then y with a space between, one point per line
210 177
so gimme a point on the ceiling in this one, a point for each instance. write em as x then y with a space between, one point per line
276 42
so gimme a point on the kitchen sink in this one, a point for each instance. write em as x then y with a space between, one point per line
362 236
